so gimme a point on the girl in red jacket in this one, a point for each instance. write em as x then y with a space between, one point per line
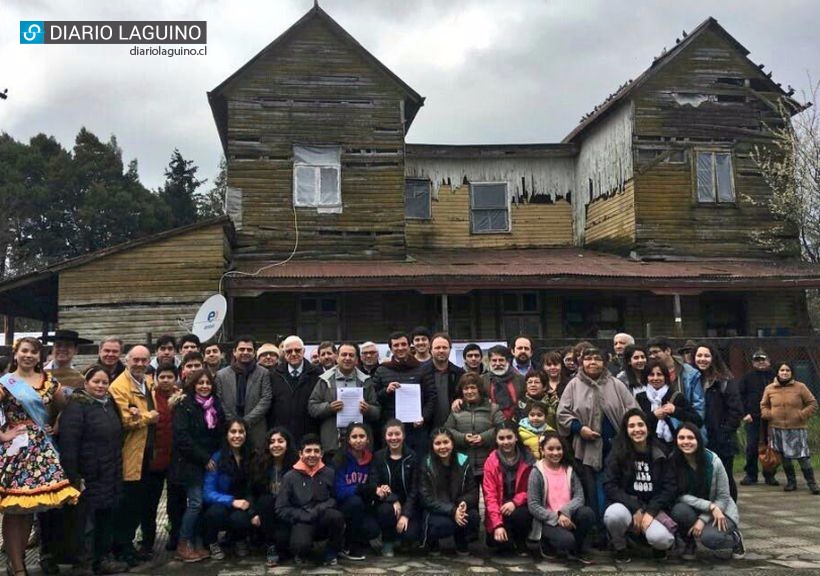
506 473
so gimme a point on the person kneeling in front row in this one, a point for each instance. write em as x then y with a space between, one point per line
306 501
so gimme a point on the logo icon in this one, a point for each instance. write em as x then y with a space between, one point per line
32 32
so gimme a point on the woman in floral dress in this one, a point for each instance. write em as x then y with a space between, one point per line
31 479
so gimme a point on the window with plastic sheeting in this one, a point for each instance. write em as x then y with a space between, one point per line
715 184
316 177
417 199
489 207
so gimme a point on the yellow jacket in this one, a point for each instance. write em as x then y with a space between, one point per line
135 428
530 437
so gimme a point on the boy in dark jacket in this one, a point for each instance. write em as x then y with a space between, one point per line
306 501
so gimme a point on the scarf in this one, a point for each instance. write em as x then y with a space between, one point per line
656 401
509 466
209 409
783 382
500 394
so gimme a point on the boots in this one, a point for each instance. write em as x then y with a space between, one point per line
187 553
808 474
791 480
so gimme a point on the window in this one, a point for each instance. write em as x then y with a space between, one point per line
417 199
592 317
318 318
316 177
489 207
521 314
714 177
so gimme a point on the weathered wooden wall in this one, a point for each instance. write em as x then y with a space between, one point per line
610 220
533 225
156 287
316 90
695 102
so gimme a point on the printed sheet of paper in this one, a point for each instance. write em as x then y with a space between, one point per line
351 396
408 403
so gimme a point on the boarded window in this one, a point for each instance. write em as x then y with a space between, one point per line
489 207
417 199
318 318
521 314
714 177
316 177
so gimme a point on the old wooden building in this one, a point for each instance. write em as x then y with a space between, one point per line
641 219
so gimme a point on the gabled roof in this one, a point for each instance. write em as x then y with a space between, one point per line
413 101
623 93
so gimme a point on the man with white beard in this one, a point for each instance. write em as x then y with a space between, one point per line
502 383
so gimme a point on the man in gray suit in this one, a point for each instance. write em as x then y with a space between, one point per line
244 390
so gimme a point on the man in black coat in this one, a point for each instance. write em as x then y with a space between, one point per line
292 382
443 378
403 368
751 392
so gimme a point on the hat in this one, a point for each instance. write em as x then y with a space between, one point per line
66 336
760 354
688 346
267 347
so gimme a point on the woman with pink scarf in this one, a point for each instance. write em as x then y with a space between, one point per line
199 425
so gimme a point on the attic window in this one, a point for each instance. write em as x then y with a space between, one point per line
417 199
714 178
489 207
317 178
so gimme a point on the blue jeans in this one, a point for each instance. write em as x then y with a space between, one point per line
187 529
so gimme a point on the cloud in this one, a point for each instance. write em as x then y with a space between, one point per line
491 70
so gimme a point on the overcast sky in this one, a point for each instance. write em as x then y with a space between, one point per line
493 71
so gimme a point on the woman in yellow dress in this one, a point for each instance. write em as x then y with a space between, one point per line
31 478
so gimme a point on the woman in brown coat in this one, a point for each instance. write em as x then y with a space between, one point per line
788 405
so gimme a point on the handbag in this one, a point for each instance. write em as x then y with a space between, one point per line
769 458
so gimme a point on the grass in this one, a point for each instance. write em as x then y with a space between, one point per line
814 446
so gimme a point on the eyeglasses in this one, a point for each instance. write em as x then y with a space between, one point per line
294 351
759 358
267 354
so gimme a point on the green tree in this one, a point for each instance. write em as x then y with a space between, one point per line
179 191
212 202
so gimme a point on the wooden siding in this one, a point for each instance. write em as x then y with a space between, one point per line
610 221
156 287
694 103
316 90
533 225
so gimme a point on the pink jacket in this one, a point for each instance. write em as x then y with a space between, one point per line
494 487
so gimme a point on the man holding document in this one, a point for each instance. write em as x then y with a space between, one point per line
342 395
401 369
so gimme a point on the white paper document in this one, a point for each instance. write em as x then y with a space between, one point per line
351 396
17 444
408 403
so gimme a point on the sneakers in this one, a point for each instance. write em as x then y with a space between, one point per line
462 549
330 558
110 566
240 548
388 550
580 558
622 556
690 550
659 555
272 556
771 481
739 551
748 481
216 552
353 554
187 553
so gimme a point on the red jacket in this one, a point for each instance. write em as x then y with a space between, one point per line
494 487
163 433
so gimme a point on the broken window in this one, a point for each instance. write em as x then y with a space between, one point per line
417 199
489 207
316 177
714 178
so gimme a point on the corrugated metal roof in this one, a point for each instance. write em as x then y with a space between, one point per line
554 267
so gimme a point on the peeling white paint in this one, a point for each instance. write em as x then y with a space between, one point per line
694 100
553 177
233 205
604 163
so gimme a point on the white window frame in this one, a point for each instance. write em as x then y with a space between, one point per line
429 214
715 198
315 168
473 209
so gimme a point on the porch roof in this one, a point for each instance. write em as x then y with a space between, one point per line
458 271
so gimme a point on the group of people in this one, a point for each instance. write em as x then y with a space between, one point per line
574 448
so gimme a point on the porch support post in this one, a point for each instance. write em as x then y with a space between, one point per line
678 315
8 329
445 313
